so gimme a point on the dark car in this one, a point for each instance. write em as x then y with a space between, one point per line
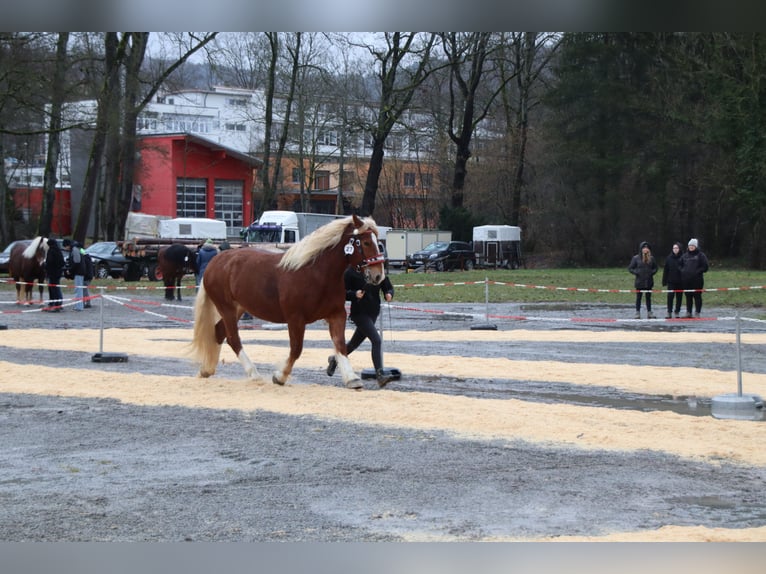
5 256
108 260
444 255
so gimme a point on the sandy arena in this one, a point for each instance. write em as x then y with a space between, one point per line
547 429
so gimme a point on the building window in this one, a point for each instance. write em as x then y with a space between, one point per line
236 102
322 180
235 127
427 180
409 179
228 203
296 175
191 197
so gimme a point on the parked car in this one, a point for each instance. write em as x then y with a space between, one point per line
108 260
444 255
5 256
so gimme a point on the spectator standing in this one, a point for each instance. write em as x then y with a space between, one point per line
694 265
671 278
643 266
365 308
204 255
88 271
54 269
77 269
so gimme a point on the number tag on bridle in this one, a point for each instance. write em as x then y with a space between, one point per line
348 249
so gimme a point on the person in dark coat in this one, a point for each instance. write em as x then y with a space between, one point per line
77 269
643 266
204 255
694 265
671 278
365 308
54 269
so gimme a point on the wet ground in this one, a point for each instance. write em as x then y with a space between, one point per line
89 469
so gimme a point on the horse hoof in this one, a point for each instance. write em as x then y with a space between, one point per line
203 374
276 381
354 384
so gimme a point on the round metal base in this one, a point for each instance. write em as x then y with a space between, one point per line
110 358
484 327
3 327
735 406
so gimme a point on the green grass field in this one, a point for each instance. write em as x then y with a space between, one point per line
505 286
555 286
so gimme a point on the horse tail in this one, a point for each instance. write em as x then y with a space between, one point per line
204 347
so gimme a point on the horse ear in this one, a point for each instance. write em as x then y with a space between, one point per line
357 220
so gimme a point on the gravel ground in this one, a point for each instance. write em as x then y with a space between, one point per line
100 470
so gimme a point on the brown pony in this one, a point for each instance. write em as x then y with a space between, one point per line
173 262
301 286
27 263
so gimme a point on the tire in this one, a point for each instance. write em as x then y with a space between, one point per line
469 265
440 266
154 273
102 271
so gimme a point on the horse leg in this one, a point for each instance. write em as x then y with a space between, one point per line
228 323
41 287
169 290
337 325
178 288
18 292
297 332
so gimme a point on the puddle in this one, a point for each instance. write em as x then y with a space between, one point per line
534 391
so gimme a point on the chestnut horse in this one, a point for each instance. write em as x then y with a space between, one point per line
173 262
27 263
297 287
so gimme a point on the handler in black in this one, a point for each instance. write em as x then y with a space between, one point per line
365 308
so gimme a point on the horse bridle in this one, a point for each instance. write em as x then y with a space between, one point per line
355 245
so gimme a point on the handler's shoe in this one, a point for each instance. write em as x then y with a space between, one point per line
383 379
332 364
651 315
638 316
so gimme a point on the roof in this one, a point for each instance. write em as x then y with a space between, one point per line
210 144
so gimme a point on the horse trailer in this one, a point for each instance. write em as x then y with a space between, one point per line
498 246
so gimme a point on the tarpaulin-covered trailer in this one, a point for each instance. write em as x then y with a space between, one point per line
498 246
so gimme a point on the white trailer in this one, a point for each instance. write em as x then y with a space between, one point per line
498 246
282 227
402 242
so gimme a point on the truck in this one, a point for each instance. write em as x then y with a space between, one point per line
498 246
283 228
402 242
146 234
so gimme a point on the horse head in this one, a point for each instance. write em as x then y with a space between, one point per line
363 252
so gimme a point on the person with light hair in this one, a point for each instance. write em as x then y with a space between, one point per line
694 265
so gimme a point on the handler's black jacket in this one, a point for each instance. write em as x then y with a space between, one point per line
369 304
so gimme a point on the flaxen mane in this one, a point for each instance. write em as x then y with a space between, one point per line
31 250
326 237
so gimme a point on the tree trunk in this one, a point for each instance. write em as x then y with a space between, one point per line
54 136
373 178
103 120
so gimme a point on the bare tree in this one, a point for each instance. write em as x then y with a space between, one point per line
124 94
402 66
474 85
54 134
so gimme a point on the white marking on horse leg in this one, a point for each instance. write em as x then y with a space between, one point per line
250 370
350 378
279 377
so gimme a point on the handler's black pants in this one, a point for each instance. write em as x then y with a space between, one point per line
365 329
